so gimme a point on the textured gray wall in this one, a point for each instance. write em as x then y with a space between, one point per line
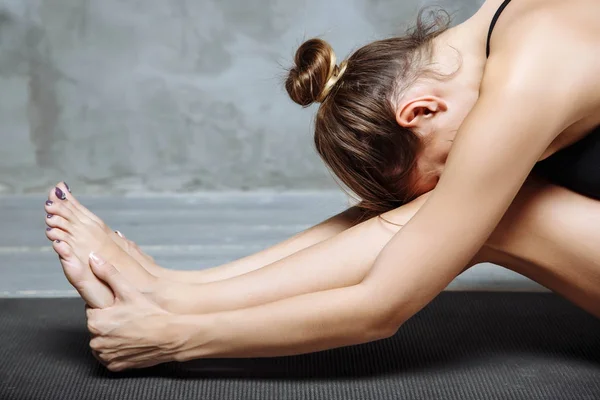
177 95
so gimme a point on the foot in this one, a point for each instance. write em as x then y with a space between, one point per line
131 248
128 246
92 290
134 332
68 223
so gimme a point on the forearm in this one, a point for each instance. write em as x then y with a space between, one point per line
342 260
303 240
316 321
302 324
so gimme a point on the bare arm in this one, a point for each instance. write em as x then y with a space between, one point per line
341 260
495 151
316 234
549 234
483 175
520 111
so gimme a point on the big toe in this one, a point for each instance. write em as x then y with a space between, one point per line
78 206
79 274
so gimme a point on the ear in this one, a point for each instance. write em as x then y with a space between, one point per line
416 111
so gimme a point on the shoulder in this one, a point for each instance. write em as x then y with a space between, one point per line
541 53
569 25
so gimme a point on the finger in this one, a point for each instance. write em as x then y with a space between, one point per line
138 356
117 366
97 357
109 345
127 354
109 274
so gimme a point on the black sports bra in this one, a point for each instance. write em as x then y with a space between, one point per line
576 167
493 24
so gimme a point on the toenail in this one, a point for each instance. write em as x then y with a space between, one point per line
67 186
120 234
49 215
57 241
48 229
49 202
60 194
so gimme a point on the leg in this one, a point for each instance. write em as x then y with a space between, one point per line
316 234
549 235
347 256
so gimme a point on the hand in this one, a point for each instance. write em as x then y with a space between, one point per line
132 333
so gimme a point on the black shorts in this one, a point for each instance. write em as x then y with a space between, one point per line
576 167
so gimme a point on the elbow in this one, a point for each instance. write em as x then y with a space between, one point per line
382 322
383 326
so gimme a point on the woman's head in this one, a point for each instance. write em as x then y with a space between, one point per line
361 132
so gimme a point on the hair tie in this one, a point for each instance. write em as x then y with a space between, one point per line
333 78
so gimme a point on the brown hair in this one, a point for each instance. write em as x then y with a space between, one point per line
356 132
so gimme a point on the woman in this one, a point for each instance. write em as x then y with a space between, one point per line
385 127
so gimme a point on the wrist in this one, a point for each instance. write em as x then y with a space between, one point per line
192 335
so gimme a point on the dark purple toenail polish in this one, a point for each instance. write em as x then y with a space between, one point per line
67 186
59 193
49 202
57 241
49 216
48 229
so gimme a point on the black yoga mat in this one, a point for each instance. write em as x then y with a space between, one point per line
461 346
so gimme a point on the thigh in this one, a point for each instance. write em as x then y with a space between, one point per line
552 235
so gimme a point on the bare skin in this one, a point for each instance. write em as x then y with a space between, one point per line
558 252
74 232
512 245
494 151
71 218
324 230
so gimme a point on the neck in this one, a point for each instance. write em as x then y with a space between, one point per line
470 37
461 49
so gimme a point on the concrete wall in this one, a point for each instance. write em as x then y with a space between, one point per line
182 95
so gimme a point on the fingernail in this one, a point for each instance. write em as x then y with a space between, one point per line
96 258
120 234
60 194
49 202
48 229
49 216
67 186
57 241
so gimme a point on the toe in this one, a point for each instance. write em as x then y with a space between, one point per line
56 194
57 234
75 203
63 249
94 292
59 196
59 208
58 222
64 187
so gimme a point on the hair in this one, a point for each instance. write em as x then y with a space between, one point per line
356 133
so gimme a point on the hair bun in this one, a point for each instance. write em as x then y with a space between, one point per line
310 77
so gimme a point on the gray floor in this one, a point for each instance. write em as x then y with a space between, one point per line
184 232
